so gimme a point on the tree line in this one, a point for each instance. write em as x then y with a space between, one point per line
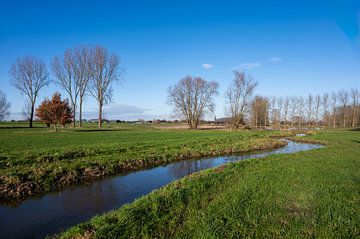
192 98
91 70
80 71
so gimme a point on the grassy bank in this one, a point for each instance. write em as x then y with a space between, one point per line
39 160
303 195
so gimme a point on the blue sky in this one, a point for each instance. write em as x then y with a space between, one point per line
291 47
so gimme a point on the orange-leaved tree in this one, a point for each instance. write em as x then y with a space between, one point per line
55 111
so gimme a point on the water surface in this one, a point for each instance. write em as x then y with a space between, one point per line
54 212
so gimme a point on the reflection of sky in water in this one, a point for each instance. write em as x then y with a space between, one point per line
57 211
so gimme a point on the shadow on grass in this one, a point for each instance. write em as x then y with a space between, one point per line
98 130
355 129
22 127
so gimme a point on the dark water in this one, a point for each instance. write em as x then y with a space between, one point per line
54 212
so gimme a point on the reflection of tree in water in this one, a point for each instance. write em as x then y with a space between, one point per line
186 167
95 198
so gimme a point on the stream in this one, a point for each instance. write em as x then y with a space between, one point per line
54 212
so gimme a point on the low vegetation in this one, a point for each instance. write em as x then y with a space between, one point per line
303 195
39 160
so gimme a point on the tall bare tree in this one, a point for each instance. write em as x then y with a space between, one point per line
4 105
105 71
344 100
325 107
259 107
280 103
309 108
238 97
82 64
273 110
286 109
334 102
293 108
317 105
192 99
301 105
63 69
29 76
355 100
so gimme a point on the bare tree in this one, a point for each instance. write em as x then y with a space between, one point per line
293 108
325 107
355 99
286 109
106 70
317 105
334 101
309 108
280 102
82 63
63 69
4 105
259 107
273 110
301 105
29 76
192 99
344 100
238 97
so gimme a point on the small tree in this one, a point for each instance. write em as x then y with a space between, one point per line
4 105
55 111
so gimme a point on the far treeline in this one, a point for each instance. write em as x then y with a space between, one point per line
91 70
192 99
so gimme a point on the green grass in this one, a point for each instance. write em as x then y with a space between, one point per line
39 159
303 195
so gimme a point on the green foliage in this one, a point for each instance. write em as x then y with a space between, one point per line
302 195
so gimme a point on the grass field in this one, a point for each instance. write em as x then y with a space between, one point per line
39 159
303 195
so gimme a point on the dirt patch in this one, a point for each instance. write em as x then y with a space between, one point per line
220 168
296 210
87 235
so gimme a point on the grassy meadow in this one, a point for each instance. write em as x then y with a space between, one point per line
40 160
303 195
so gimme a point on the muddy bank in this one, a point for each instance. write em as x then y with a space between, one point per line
14 191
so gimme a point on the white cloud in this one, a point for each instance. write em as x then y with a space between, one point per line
275 59
207 66
250 65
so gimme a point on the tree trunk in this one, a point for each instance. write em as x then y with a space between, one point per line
80 112
100 115
74 117
354 116
31 115
256 120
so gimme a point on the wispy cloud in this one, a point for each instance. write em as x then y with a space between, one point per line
111 112
207 66
275 59
250 65
119 111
